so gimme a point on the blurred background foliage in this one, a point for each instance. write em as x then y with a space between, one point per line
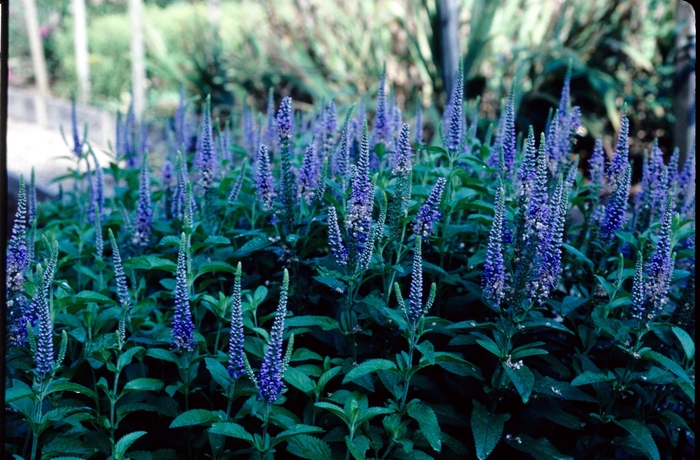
319 49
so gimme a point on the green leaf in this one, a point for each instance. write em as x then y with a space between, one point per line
126 357
196 417
571 303
125 442
64 385
642 435
413 454
522 378
332 408
309 447
17 391
150 262
541 449
372 365
579 255
162 354
486 429
232 430
170 239
453 363
144 384
218 373
357 446
669 363
296 430
327 376
331 282
64 445
491 346
676 419
686 341
552 388
544 323
304 354
214 266
324 322
298 380
588 378
216 239
427 421
256 244
84 297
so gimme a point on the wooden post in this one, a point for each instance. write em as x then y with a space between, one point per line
138 66
38 62
449 42
82 63
684 103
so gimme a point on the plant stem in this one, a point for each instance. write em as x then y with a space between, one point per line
407 376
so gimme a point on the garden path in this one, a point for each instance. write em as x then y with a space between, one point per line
29 145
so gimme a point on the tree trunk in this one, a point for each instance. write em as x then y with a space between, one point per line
138 66
38 61
684 104
82 64
449 42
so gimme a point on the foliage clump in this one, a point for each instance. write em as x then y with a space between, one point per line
528 294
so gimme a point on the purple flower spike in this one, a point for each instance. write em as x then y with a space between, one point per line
182 337
342 161
122 289
78 143
17 247
308 174
673 168
493 277
17 261
271 385
177 206
596 164
660 270
508 137
537 209
418 126
285 126
92 195
238 185
205 152
382 124
340 253
429 213
144 213
550 263
401 159
686 185
528 168
330 125
249 133
99 182
454 131
638 297
614 217
616 169
359 218
264 182
415 297
44 350
236 360
31 200
270 135
167 174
